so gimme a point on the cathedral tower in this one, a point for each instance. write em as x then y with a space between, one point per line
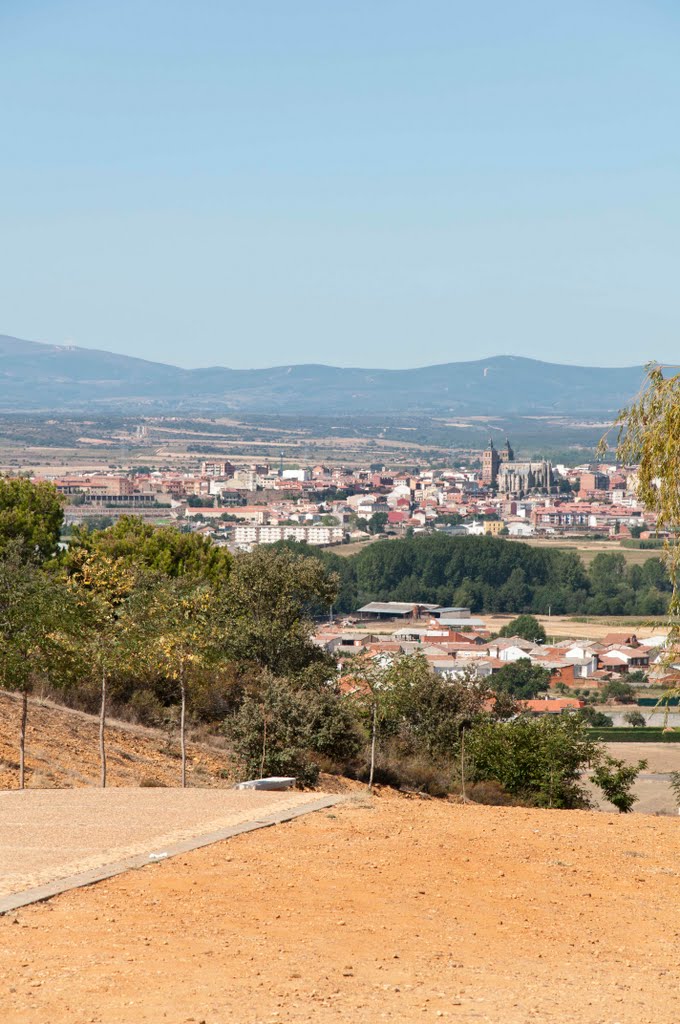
490 463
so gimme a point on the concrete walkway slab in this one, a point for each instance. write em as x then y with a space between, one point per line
54 840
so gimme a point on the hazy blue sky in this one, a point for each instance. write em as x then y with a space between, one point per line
358 182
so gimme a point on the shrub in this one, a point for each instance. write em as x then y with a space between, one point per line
616 779
146 709
618 691
283 728
596 719
537 760
490 792
636 719
410 774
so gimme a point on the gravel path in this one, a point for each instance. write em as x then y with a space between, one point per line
50 834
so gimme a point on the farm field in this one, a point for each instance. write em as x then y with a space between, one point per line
589 549
384 909
585 628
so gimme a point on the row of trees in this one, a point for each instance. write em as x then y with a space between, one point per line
145 616
496 575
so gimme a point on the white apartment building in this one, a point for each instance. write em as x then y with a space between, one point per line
248 536
296 474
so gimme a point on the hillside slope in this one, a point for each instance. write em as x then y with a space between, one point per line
62 750
36 376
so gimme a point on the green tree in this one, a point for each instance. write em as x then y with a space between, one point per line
618 691
526 626
636 719
374 697
110 637
430 708
648 434
538 760
522 678
616 779
608 572
377 522
595 719
33 611
514 597
143 546
180 638
266 607
283 727
31 513
422 713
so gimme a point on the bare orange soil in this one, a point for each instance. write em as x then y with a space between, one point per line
62 749
383 909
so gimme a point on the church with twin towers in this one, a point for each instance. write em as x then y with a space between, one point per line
516 479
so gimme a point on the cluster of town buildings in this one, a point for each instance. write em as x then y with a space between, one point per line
246 505
456 643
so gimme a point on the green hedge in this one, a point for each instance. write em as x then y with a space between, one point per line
648 734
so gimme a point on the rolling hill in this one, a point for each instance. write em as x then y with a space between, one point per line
40 377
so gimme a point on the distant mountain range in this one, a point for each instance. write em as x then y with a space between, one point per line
36 377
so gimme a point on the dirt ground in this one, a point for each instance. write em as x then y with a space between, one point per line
389 909
661 757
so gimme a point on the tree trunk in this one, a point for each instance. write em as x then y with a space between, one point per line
264 741
374 734
182 728
462 765
22 738
102 726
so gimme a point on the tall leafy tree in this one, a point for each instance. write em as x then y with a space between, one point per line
522 678
538 760
423 713
110 637
146 547
371 677
180 637
266 607
34 609
31 513
284 725
616 779
648 435
526 626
